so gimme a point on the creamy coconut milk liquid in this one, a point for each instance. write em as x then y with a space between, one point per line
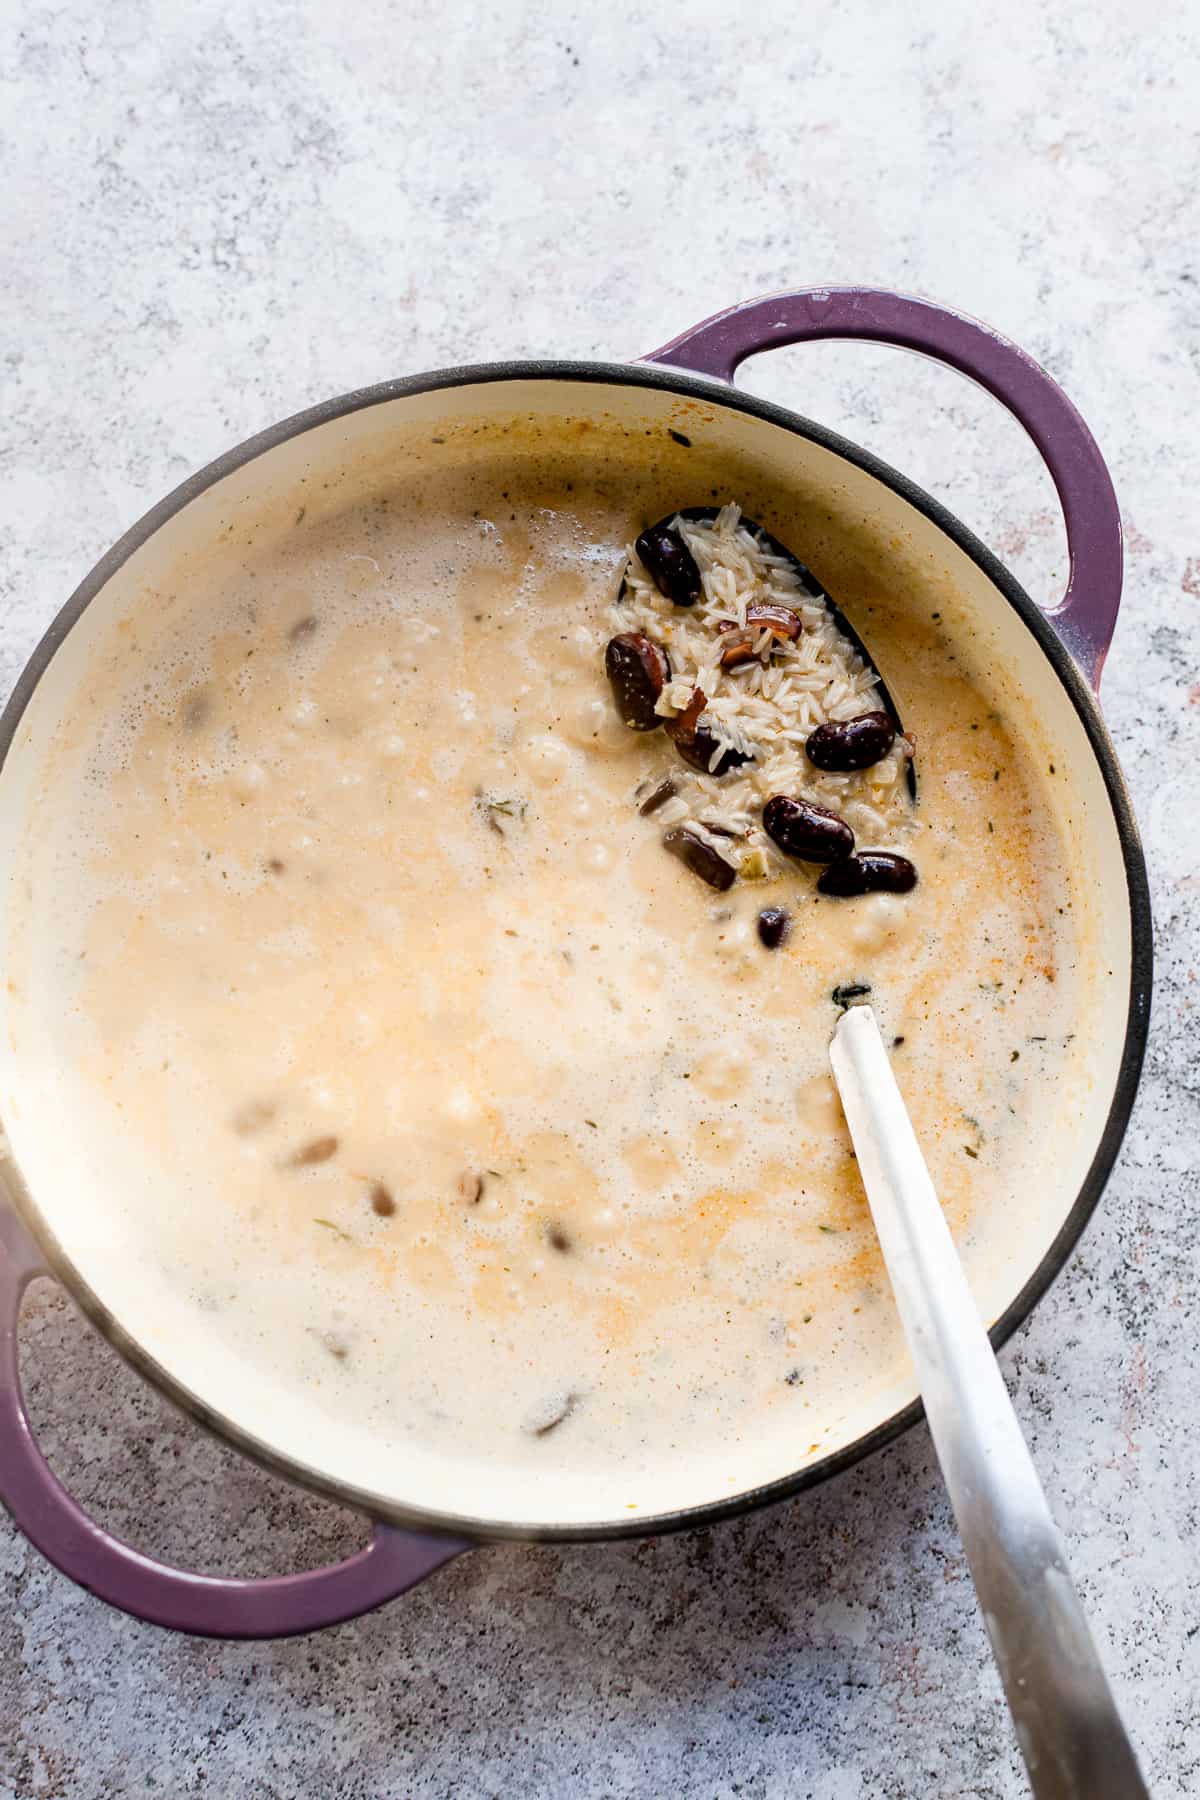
460 1115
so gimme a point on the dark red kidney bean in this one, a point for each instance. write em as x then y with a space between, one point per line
382 1203
738 647
697 745
809 832
844 744
308 1155
685 722
782 622
700 858
774 924
699 749
671 564
657 797
870 872
637 670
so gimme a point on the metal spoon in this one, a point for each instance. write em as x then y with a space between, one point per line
1067 1724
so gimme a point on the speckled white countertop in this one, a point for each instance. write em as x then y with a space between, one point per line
216 214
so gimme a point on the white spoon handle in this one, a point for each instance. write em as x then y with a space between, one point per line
1068 1727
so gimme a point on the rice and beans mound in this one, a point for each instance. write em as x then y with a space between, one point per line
780 746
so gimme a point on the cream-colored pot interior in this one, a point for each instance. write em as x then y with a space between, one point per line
107 1255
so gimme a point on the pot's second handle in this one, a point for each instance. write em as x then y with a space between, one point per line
1086 616
206 1605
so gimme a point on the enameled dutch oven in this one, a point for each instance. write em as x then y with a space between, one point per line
1054 657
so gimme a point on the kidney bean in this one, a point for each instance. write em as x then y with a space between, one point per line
657 797
782 622
671 564
308 1155
738 645
697 745
843 744
869 872
684 723
808 832
637 670
702 746
700 857
774 924
382 1203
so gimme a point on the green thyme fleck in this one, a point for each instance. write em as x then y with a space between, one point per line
336 1230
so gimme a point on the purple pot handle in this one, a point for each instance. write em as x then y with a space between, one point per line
206 1605
1086 616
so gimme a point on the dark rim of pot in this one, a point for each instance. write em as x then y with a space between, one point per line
646 375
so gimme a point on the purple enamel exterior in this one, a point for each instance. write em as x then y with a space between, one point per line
1087 614
396 1559
204 1605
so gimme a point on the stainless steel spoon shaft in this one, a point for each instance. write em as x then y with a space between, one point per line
1067 1724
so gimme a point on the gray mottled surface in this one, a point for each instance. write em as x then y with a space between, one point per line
215 214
